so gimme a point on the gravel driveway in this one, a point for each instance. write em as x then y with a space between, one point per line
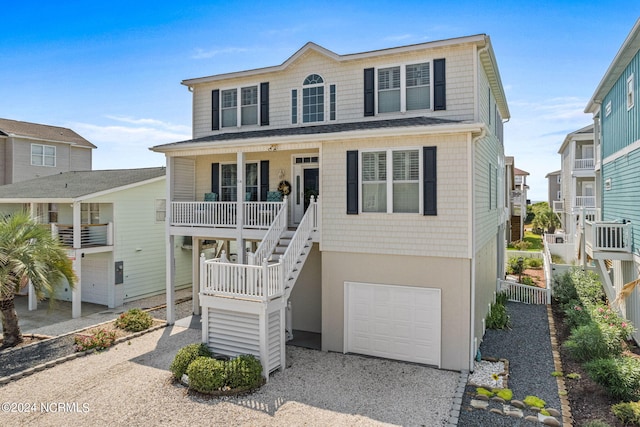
129 385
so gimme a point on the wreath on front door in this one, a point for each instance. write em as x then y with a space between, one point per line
284 187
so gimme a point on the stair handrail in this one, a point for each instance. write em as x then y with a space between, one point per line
271 238
307 226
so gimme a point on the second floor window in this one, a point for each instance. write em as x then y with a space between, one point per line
313 99
389 90
43 155
249 110
414 81
229 108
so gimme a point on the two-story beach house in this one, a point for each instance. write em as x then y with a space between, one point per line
359 197
112 223
613 238
519 203
32 150
577 181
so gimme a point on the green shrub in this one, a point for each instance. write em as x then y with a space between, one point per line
185 356
502 298
497 318
206 374
557 259
619 376
521 245
504 393
134 320
627 412
533 262
588 287
591 341
596 423
514 267
609 319
99 340
575 314
564 289
526 280
243 372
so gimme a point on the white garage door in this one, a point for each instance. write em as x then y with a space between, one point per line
95 279
395 322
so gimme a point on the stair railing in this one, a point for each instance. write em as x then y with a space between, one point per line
270 240
300 239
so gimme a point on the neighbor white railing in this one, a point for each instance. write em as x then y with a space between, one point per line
525 293
218 277
585 202
91 235
608 236
584 164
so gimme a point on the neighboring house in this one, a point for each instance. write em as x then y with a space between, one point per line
113 224
519 204
31 150
399 257
554 187
613 240
578 180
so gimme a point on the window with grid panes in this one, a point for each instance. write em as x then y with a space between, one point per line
418 89
249 102
313 99
389 90
403 190
228 188
43 155
229 107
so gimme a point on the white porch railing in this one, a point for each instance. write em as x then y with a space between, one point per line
218 277
585 202
307 226
525 293
608 236
91 235
557 238
270 240
584 164
224 214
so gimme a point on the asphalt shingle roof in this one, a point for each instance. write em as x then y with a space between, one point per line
317 129
45 132
70 185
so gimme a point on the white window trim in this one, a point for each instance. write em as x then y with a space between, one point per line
238 90
244 179
161 207
389 183
325 102
630 91
403 86
55 155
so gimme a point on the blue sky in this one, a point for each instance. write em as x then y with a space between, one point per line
112 70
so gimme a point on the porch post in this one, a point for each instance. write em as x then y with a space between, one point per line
240 207
76 294
169 249
195 279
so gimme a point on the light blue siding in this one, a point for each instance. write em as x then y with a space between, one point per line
621 127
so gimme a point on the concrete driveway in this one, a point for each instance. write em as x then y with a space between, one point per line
130 385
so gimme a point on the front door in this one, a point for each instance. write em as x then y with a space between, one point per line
306 184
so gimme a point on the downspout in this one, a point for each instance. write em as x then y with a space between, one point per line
472 157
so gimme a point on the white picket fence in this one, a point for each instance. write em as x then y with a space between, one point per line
524 293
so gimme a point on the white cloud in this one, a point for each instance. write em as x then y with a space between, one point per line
206 54
399 37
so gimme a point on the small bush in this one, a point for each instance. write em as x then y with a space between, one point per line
557 259
627 412
596 423
514 267
575 314
526 280
591 341
502 298
504 393
484 392
574 376
497 318
607 318
99 340
245 372
185 356
206 374
588 287
134 320
619 376
564 289
521 245
533 262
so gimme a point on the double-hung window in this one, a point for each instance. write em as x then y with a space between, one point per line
228 182
404 88
249 100
90 213
395 192
630 92
229 107
43 155
251 185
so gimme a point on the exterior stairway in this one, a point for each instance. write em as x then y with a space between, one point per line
245 307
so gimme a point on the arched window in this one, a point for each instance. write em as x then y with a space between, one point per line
313 99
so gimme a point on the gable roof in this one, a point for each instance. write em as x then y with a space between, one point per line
583 134
627 51
42 132
520 172
78 184
483 41
554 173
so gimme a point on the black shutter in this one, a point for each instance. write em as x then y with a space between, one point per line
439 85
264 104
352 182
430 181
264 179
215 109
215 179
369 92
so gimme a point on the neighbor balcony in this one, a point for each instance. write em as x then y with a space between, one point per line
602 238
90 236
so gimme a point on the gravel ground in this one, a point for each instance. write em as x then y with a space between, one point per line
527 347
19 359
129 385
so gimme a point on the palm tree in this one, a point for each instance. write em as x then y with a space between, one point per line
28 252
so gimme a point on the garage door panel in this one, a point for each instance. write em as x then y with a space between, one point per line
396 322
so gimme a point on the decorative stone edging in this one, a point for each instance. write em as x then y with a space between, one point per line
456 405
567 418
50 364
